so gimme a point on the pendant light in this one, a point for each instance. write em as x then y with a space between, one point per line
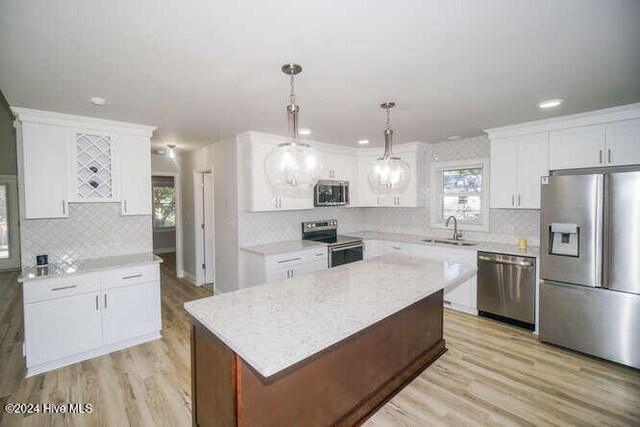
293 165
389 174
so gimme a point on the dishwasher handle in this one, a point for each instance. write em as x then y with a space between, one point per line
505 261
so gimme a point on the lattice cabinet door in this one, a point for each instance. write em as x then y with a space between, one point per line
95 179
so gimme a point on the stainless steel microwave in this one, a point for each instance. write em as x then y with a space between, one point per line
331 193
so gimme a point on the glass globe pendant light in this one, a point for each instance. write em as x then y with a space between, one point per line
389 174
293 165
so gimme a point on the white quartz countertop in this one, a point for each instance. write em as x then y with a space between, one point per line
87 266
283 247
276 325
503 248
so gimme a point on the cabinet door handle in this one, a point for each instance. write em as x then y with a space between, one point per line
292 273
288 274
64 208
518 199
64 287
609 155
97 306
600 156
105 300
396 247
289 260
125 206
131 277
513 200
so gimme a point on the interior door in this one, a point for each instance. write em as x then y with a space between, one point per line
208 230
62 327
9 237
623 237
130 311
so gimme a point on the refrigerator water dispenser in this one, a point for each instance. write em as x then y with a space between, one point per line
564 239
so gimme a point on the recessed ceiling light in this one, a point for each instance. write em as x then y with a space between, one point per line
550 103
304 131
96 100
454 138
363 141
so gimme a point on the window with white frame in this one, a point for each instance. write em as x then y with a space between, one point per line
460 189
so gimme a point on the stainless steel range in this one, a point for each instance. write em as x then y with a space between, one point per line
342 249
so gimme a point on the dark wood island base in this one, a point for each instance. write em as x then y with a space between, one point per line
342 385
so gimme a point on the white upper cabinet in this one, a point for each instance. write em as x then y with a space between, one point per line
44 166
134 153
413 196
623 142
65 158
340 167
517 164
580 147
258 195
610 144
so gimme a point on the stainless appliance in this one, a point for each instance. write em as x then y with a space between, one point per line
342 249
590 263
506 288
331 193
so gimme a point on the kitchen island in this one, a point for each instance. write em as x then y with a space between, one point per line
329 347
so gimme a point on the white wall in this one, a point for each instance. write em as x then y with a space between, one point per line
164 163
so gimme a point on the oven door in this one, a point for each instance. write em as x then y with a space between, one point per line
331 193
345 254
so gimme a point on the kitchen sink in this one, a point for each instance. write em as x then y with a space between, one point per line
449 242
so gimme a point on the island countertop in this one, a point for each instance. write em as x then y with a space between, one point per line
276 325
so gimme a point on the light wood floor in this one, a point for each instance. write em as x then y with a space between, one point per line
493 374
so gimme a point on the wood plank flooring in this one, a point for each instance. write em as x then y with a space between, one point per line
493 374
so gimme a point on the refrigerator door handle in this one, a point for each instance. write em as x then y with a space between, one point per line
600 245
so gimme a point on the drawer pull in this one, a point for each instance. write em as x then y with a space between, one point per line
64 287
320 254
131 277
288 260
396 247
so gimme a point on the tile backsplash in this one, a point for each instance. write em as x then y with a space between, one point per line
506 225
92 230
255 228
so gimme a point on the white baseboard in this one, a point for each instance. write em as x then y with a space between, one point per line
163 250
461 308
189 277
180 274
70 360
216 291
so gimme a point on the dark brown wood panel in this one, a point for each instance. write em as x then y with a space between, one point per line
350 379
214 379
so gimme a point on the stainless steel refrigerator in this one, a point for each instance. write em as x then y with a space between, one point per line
590 264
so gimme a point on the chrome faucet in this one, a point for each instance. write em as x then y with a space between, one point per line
457 235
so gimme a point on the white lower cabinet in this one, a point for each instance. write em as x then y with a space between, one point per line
372 248
62 327
462 296
260 268
77 317
130 312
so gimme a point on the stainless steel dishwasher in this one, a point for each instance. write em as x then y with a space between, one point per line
507 288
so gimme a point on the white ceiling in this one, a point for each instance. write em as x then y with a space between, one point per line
203 70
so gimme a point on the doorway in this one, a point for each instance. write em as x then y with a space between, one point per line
204 224
9 232
167 226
